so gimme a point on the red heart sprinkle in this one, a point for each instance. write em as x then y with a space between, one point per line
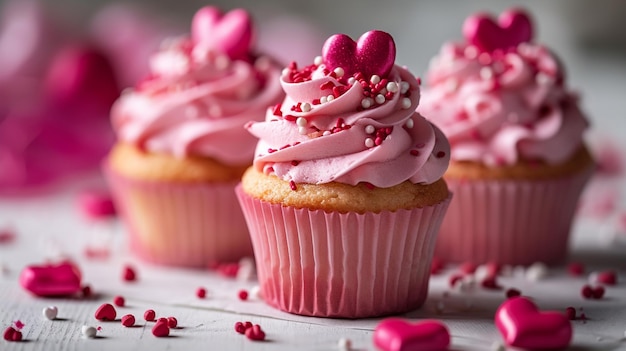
255 333
161 329
106 312
172 322
149 315
129 274
512 28
373 53
523 325
8 333
128 320
394 334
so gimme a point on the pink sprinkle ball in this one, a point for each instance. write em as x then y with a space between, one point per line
149 315
586 292
172 322
201 293
119 301
129 274
128 320
243 295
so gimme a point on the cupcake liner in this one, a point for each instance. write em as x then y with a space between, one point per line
181 224
347 265
514 222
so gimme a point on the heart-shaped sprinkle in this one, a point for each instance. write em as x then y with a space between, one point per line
522 325
395 334
161 329
512 28
9 332
106 312
373 54
230 33
50 312
128 320
51 280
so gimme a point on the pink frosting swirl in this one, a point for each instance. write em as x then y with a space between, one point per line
328 130
501 107
196 102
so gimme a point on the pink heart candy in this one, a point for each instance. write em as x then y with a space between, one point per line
230 33
373 53
395 334
161 329
513 28
51 280
106 312
522 325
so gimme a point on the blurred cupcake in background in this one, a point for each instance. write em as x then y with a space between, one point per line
181 143
518 159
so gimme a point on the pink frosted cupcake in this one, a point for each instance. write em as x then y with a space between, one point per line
181 143
518 161
345 196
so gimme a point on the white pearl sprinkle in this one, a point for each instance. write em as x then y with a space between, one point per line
301 122
302 130
375 79
536 271
88 331
286 71
404 87
344 344
326 133
392 87
406 103
323 100
305 107
330 98
318 60
481 272
369 143
592 278
351 80
470 52
380 99
339 72
50 312
486 73
370 129
409 123
222 62
255 292
366 103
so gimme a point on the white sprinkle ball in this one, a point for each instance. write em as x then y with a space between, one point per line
481 272
392 87
406 103
404 87
339 71
486 73
370 129
369 143
326 133
255 292
301 122
536 271
366 103
375 79
88 331
409 123
302 130
351 80
286 71
380 99
593 278
305 107
50 312
318 60
323 100
330 98
344 344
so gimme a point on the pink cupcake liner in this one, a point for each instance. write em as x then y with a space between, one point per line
510 222
347 265
181 224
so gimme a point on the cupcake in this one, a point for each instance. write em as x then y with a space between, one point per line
345 195
518 160
182 146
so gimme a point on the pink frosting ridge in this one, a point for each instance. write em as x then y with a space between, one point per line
333 127
201 93
499 106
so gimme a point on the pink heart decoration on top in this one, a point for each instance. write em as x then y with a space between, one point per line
513 28
522 325
51 280
373 53
230 33
394 334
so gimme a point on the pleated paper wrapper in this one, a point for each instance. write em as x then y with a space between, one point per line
513 222
181 224
344 265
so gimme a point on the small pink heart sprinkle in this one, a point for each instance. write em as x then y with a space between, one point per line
230 33
161 329
373 53
394 334
128 320
106 312
523 325
512 28
51 280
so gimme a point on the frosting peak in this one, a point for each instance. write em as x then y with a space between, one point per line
499 99
202 90
350 128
